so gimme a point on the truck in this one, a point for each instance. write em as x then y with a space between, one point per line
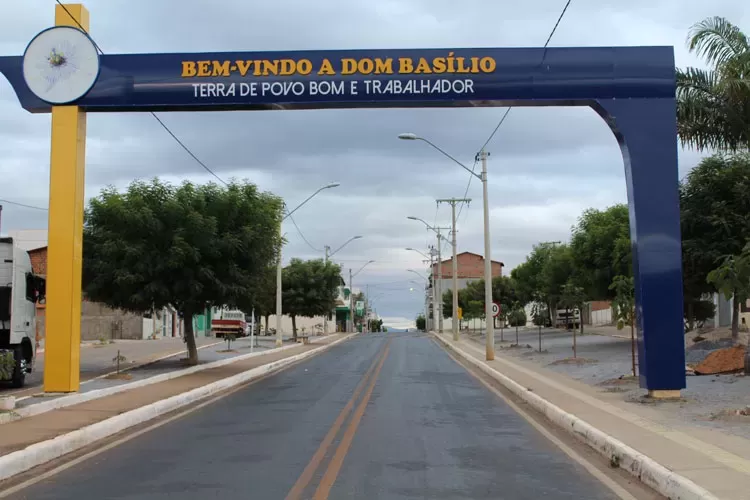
225 321
568 318
20 291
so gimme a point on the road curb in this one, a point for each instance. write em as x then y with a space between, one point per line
74 399
40 453
645 469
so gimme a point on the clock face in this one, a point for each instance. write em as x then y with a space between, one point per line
60 65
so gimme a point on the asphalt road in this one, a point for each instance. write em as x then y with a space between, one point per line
387 416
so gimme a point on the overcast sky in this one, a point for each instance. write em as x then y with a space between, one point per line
546 166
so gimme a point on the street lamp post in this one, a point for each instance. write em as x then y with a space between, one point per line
429 299
481 156
279 337
351 291
438 288
328 255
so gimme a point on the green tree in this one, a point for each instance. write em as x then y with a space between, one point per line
573 297
539 315
421 323
624 309
309 289
517 317
601 249
263 296
189 246
556 273
715 219
713 105
732 279
539 279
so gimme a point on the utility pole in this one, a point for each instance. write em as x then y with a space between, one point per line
454 272
433 255
489 319
440 277
326 249
351 301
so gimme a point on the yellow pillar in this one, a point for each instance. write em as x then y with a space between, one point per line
65 229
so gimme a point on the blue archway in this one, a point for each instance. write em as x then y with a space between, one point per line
632 89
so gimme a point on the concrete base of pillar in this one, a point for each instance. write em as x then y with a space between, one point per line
665 394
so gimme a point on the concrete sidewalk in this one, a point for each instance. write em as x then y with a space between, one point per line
718 462
19 434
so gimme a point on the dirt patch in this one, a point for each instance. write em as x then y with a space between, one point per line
623 380
728 360
573 361
615 389
119 376
731 415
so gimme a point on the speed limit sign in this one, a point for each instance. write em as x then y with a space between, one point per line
495 309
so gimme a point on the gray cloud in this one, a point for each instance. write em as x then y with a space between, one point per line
547 164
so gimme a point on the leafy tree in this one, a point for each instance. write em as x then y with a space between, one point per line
624 302
537 279
540 316
375 325
573 297
556 273
421 322
715 218
189 246
517 317
732 279
713 105
601 249
309 289
263 296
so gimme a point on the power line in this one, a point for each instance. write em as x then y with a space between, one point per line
505 115
23 205
164 126
302 235
562 14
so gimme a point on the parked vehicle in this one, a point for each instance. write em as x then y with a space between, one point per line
225 321
568 318
20 290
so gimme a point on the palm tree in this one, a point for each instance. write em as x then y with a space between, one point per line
713 105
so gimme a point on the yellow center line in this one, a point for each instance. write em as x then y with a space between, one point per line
307 474
332 472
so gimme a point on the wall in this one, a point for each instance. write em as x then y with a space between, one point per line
469 265
99 321
308 323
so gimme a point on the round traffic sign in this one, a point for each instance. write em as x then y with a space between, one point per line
495 309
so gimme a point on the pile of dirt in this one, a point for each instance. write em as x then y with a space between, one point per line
697 352
728 360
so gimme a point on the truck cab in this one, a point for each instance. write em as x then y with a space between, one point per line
20 290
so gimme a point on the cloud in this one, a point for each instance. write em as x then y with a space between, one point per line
546 164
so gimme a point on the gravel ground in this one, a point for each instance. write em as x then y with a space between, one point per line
173 363
607 365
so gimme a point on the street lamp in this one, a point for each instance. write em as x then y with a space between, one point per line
329 254
279 338
427 298
420 253
481 156
438 285
351 293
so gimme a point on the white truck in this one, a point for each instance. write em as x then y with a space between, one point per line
20 290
